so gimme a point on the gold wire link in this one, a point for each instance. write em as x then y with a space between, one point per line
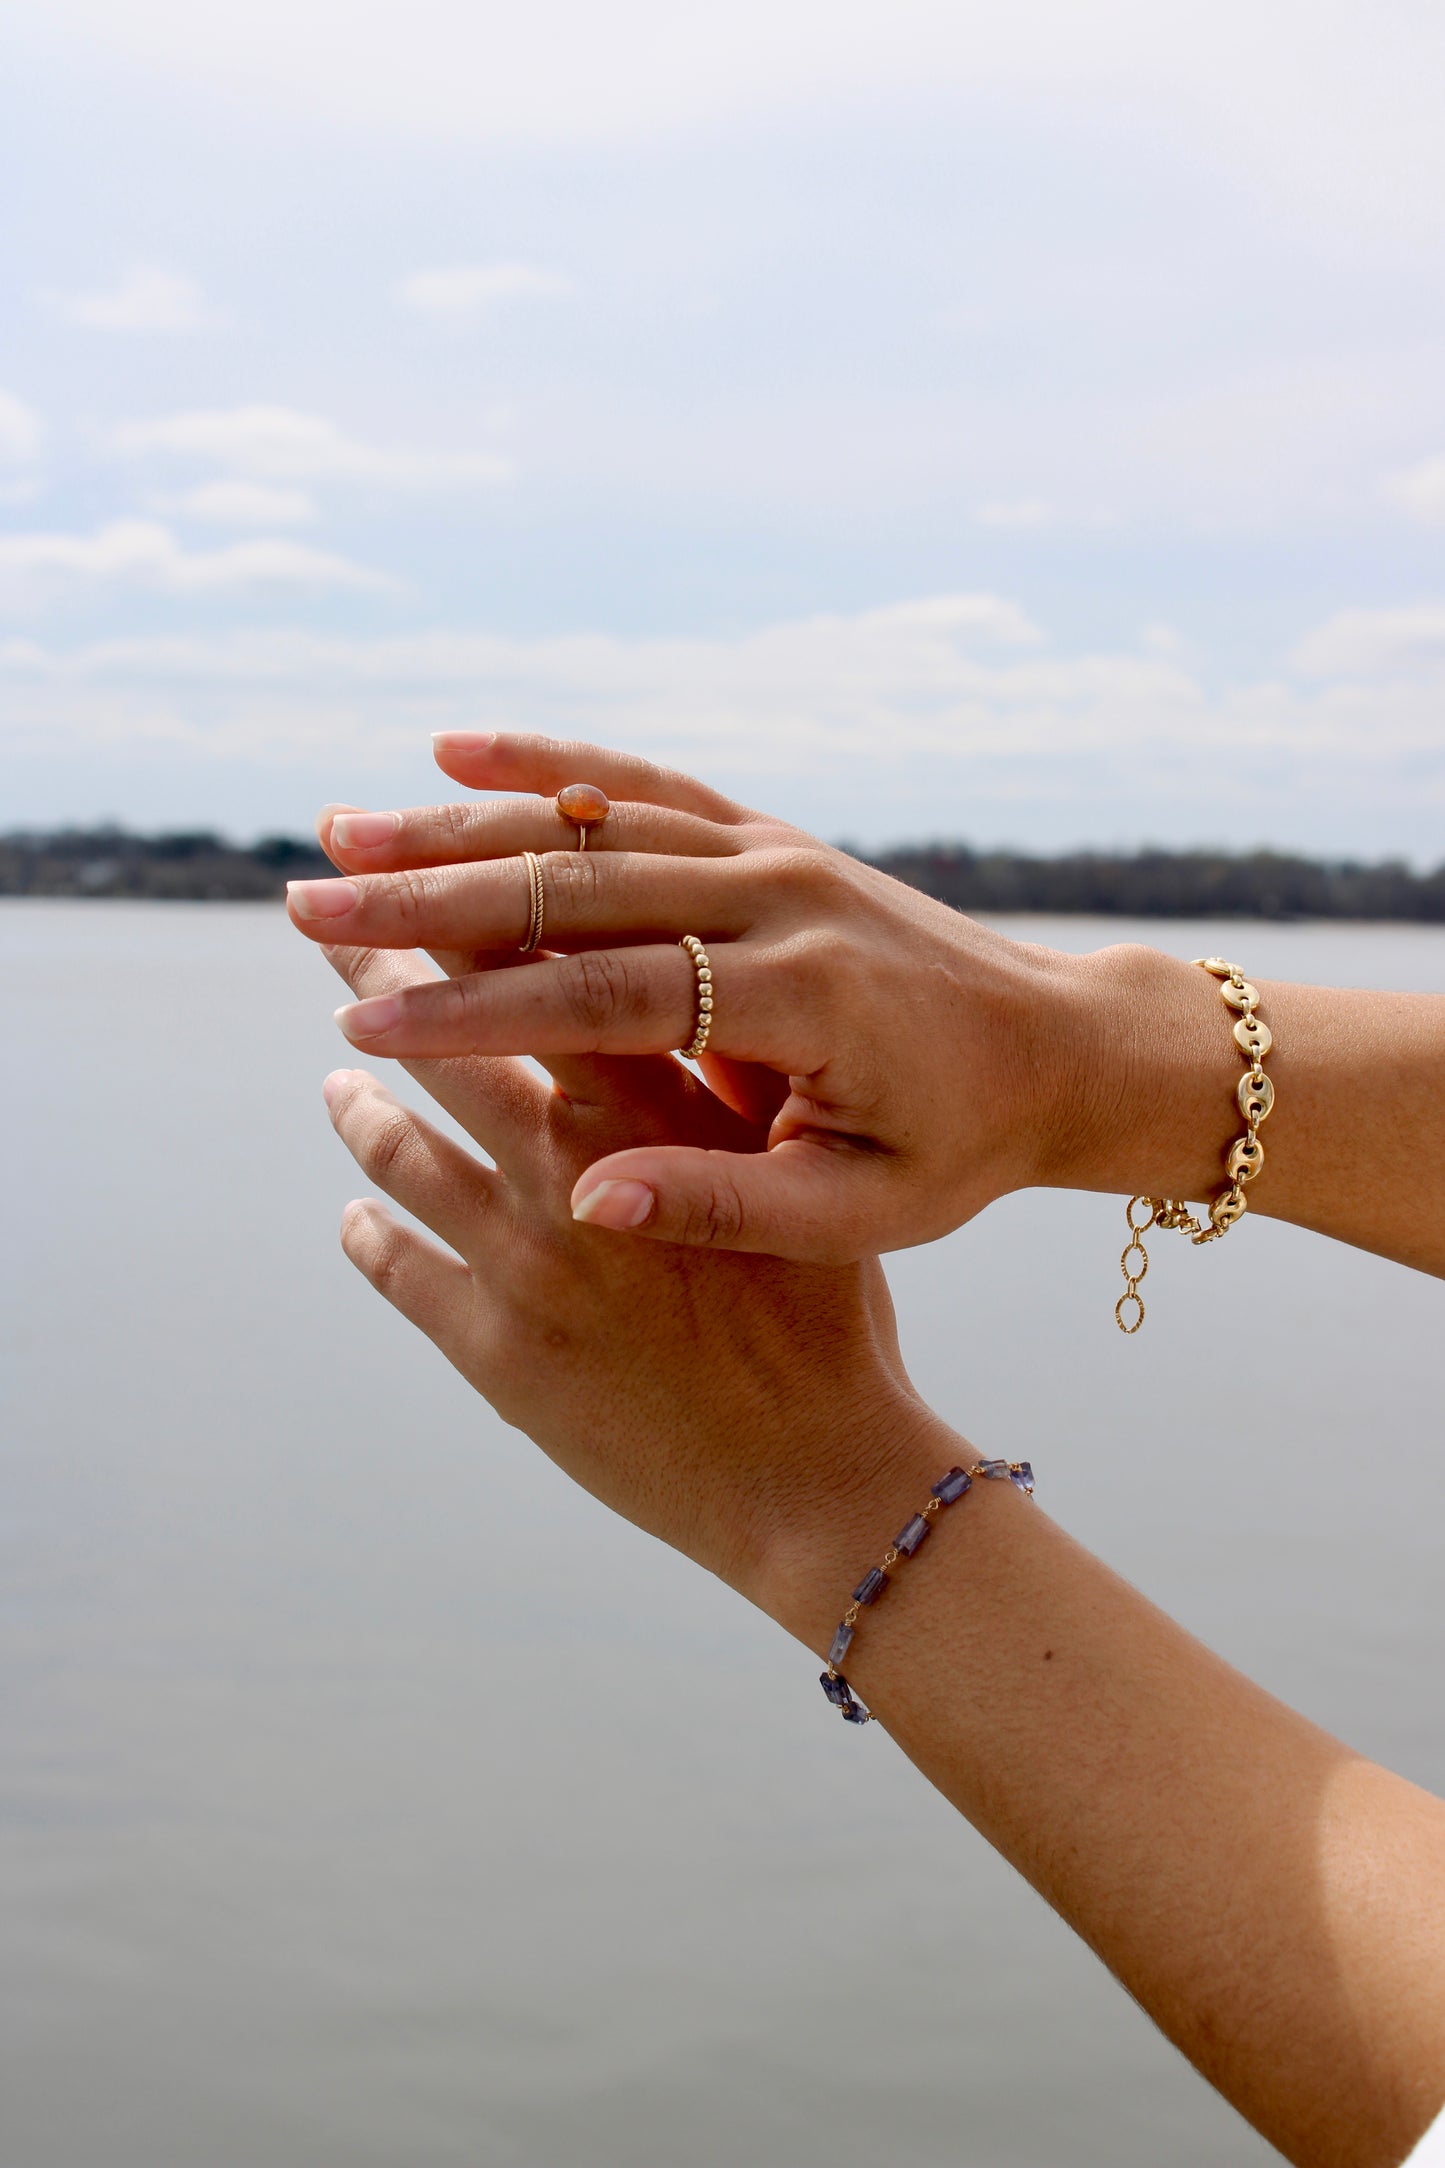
1254 1096
893 1557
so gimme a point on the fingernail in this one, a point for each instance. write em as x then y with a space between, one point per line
335 1085
368 1019
464 741
615 1204
363 831
323 899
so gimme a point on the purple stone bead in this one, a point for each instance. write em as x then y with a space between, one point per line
910 1538
953 1485
1022 1477
993 1467
838 1691
842 1641
854 1713
872 1585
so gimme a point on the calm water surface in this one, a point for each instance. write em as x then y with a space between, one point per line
371 1800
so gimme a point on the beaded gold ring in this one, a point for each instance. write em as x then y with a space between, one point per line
703 969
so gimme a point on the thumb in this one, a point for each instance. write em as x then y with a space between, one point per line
820 1204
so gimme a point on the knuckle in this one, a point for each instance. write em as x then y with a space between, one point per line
385 1143
457 1004
575 882
386 1260
793 872
809 963
369 1240
715 1218
599 988
409 895
456 825
648 778
364 969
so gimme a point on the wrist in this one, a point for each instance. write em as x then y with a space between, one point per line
880 1467
1142 1080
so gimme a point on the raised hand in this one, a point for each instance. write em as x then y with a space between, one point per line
661 1380
902 1065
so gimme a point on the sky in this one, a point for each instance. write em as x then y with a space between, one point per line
1023 424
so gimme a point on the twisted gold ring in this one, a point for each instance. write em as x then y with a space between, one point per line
537 901
703 968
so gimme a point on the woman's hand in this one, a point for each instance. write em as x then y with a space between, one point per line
902 1065
661 1380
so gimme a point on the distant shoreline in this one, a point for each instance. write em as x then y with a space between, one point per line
198 866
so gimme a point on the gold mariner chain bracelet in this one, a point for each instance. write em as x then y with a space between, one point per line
1254 1095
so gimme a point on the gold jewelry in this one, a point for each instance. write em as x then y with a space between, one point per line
534 911
1254 1096
703 968
585 806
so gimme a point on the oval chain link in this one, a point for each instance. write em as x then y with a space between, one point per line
1254 1097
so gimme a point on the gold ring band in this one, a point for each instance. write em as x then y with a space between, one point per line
534 911
703 968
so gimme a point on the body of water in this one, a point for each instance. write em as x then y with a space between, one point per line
371 1799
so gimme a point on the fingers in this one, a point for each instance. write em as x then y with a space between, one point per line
500 1103
419 1168
431 1288
509 760
488 906
601 1001
752 1089
443 835
817 1203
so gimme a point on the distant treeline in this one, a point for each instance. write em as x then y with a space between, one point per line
193 866
200 866
1169 884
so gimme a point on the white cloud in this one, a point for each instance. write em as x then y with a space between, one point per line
278 445
21 432
1373 644
467 289
938 619
1347 118
1420 491
243 504
145 299
1019 512
139 553
955 686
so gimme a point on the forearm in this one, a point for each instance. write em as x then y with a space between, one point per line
1355 1146
1275 1903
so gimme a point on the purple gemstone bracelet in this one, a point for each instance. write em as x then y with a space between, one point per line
945 1491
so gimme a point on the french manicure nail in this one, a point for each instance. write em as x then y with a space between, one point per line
615 1204
364 831
335 1085
464 741
323 899
368 1019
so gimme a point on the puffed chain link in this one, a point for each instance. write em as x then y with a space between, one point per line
1254 1096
